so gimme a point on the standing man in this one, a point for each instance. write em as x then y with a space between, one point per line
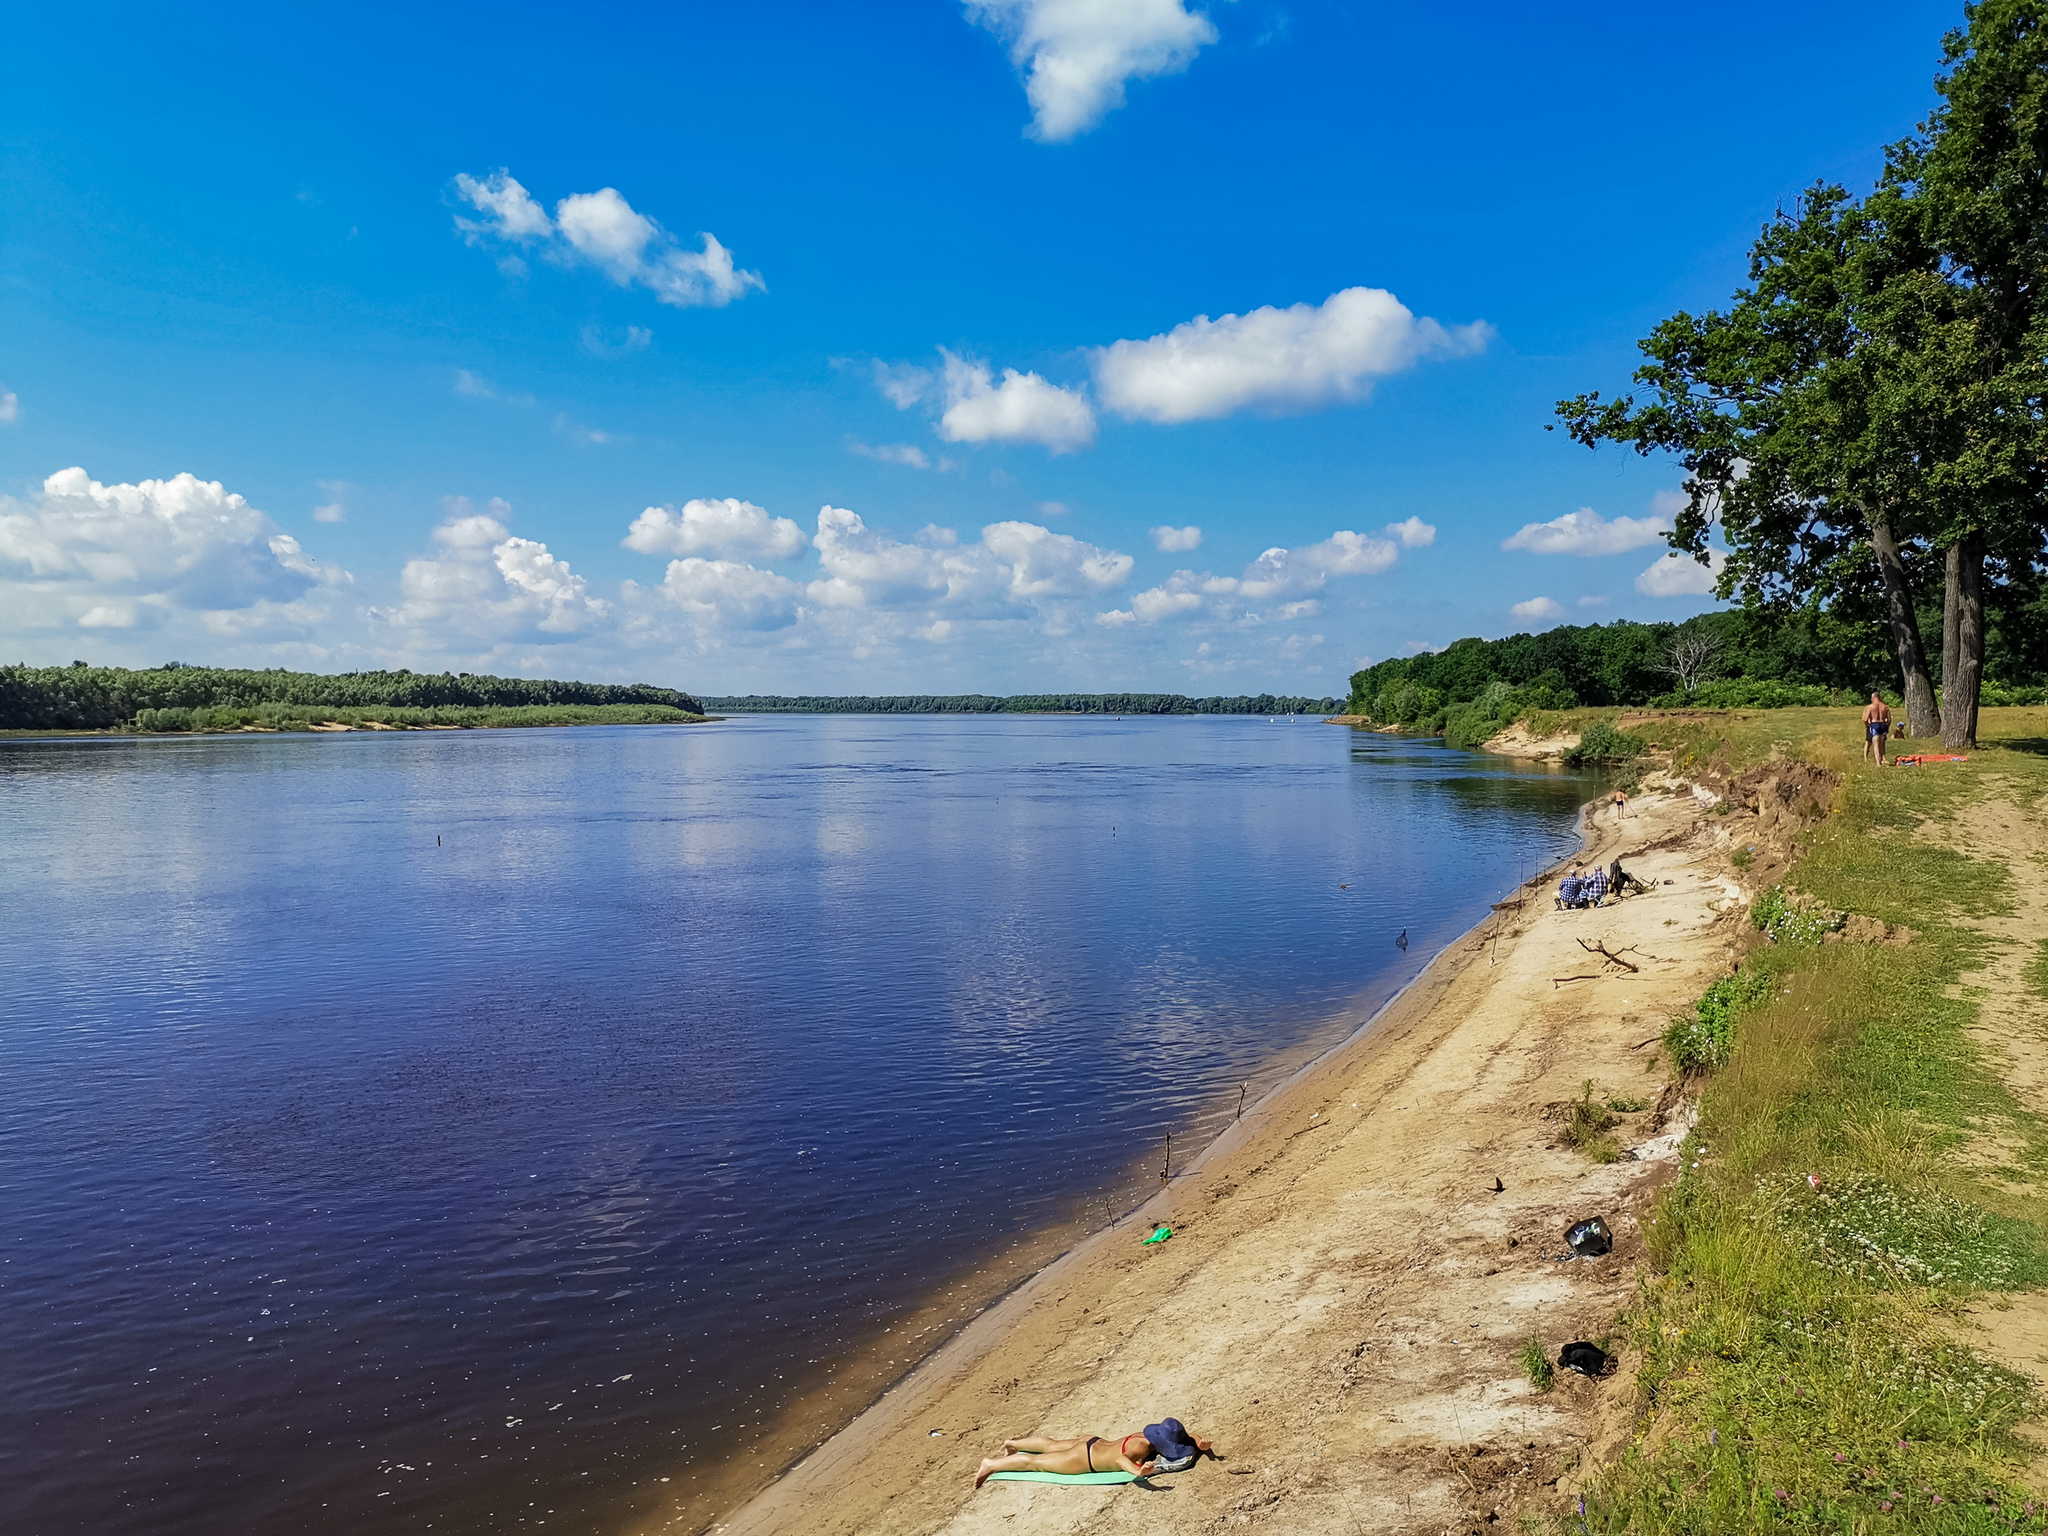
1877 725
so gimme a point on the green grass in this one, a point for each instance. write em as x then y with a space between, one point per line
1536 1365
1861 1173
303 717
1588 1124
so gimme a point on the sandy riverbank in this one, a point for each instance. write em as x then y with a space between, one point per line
1345 1299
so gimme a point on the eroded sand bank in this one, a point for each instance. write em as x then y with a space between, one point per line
1344 1301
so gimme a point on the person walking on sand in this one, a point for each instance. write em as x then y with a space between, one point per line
1168 1446
1620 805
1877 725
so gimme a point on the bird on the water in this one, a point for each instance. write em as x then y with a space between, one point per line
1402 942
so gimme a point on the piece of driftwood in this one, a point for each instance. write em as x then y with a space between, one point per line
1599 947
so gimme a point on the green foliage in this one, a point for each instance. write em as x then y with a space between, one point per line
1701 1040
80 697
303 717
1772 660
1996 695
1786 919
1536 1365
1760 693
1600 742
1587 1124
1024 704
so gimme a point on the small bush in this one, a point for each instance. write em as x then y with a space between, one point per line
1701 1040
1602 743
1742 858
1536 1365
1586 1127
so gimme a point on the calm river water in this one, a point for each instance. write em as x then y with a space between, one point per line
467 1131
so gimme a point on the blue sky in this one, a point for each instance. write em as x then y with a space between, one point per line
1002 303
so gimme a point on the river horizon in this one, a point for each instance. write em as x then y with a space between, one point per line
418 1131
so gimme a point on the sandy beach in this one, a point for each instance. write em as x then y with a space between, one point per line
1345 1299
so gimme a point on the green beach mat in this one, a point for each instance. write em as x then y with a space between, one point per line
1063 1477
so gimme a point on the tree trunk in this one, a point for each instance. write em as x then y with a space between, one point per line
1966 592
1952 566
1920 713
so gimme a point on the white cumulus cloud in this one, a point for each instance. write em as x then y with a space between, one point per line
1586 532
1677 575
1043 564
10 406
726 594
1174 541
150 554
603 229
1274 360
717 525
1015 566
1077 54
484 582
1288 578
1538 610
1024 408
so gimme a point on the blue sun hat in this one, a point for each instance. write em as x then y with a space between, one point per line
1172 1446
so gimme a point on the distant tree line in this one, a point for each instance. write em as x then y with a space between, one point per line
82 697
1747 658
1021 704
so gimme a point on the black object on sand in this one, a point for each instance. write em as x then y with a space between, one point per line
1586 1359
1589 1239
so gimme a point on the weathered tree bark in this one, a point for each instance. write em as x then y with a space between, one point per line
1951 565
1960 689
1921 719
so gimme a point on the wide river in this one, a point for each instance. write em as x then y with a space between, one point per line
486 1130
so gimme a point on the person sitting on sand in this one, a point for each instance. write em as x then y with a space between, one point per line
1168 1446
1568 891
1877 725
1593 889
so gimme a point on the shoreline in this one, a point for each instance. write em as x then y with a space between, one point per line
864 1381
835 1485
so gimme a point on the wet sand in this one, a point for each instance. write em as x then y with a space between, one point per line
1344 1301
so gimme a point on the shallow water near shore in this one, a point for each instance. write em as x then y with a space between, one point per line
362 1182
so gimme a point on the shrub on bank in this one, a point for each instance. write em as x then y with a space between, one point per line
1700 1041
1600 742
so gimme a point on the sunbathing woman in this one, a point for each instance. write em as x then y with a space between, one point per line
1168 1446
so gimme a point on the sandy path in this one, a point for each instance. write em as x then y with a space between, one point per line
1345 1298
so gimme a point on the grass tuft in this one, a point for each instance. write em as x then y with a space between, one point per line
1536 1365
1587 1125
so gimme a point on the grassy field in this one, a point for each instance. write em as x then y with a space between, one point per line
1860 1173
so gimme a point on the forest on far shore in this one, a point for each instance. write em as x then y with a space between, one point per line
87 698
